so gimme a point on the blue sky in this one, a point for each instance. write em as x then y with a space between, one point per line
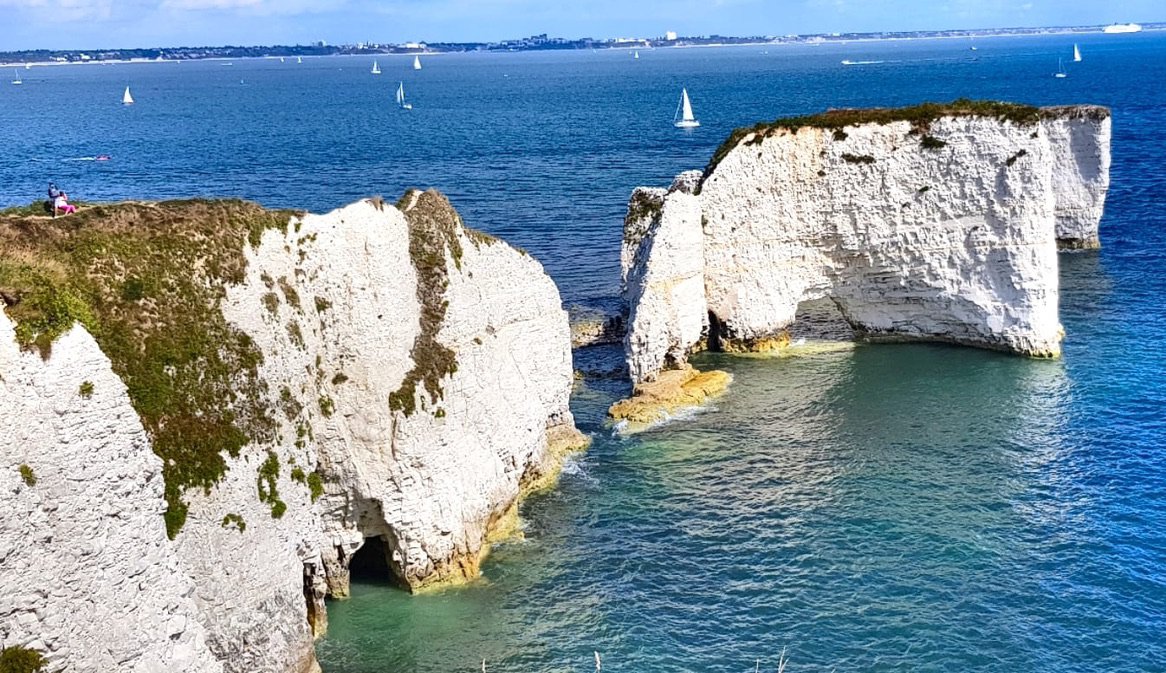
88 24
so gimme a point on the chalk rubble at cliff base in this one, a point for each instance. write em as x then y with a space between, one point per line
392 374
933 223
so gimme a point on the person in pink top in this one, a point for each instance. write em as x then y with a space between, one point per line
61 205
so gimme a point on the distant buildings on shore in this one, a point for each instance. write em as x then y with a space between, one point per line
532 43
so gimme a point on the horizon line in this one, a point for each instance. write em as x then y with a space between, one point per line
324 44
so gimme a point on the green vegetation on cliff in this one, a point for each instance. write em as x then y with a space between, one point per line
147 281
920 117
433 227
644 204
267 482
27 475
312 480
21 660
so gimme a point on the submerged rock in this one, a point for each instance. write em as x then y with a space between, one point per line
933 223
221 404
596 325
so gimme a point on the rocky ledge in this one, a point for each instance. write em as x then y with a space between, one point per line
930 223
670 392
211 408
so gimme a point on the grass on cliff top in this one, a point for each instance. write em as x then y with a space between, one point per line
147 281
920 117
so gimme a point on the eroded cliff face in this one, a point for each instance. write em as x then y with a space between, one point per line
432 424
921 224
408 379
666 292
87 575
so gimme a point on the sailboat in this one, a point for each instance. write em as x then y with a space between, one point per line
636 55
1076 54
401 97
416 62
683 118
281 59
126 98
17 80
376 69
299 59
1061 74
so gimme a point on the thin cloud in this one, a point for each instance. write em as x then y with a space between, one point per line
209 4
65 10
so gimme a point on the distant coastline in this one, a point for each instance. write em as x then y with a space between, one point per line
41 57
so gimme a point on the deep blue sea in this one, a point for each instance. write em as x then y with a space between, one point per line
885 508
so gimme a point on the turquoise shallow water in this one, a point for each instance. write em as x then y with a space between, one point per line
889 508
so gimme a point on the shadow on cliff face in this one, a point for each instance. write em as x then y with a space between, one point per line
820 319
370 564
814 320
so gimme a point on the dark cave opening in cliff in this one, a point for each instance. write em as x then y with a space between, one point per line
370 563
820 320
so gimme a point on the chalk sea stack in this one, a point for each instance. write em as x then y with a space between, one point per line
930 223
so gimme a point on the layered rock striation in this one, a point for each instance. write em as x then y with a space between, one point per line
936 223
218 405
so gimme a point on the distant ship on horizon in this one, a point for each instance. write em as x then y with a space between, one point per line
1122 28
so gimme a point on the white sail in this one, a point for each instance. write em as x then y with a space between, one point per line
636 55
416 62
376 69
299 59
686 120
1076 54
126 98
401 97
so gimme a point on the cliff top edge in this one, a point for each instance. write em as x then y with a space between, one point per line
920 116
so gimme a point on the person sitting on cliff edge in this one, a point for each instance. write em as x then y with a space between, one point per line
58 202
61 205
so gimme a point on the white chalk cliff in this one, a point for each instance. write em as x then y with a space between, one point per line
1080 137
942 228
419 370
